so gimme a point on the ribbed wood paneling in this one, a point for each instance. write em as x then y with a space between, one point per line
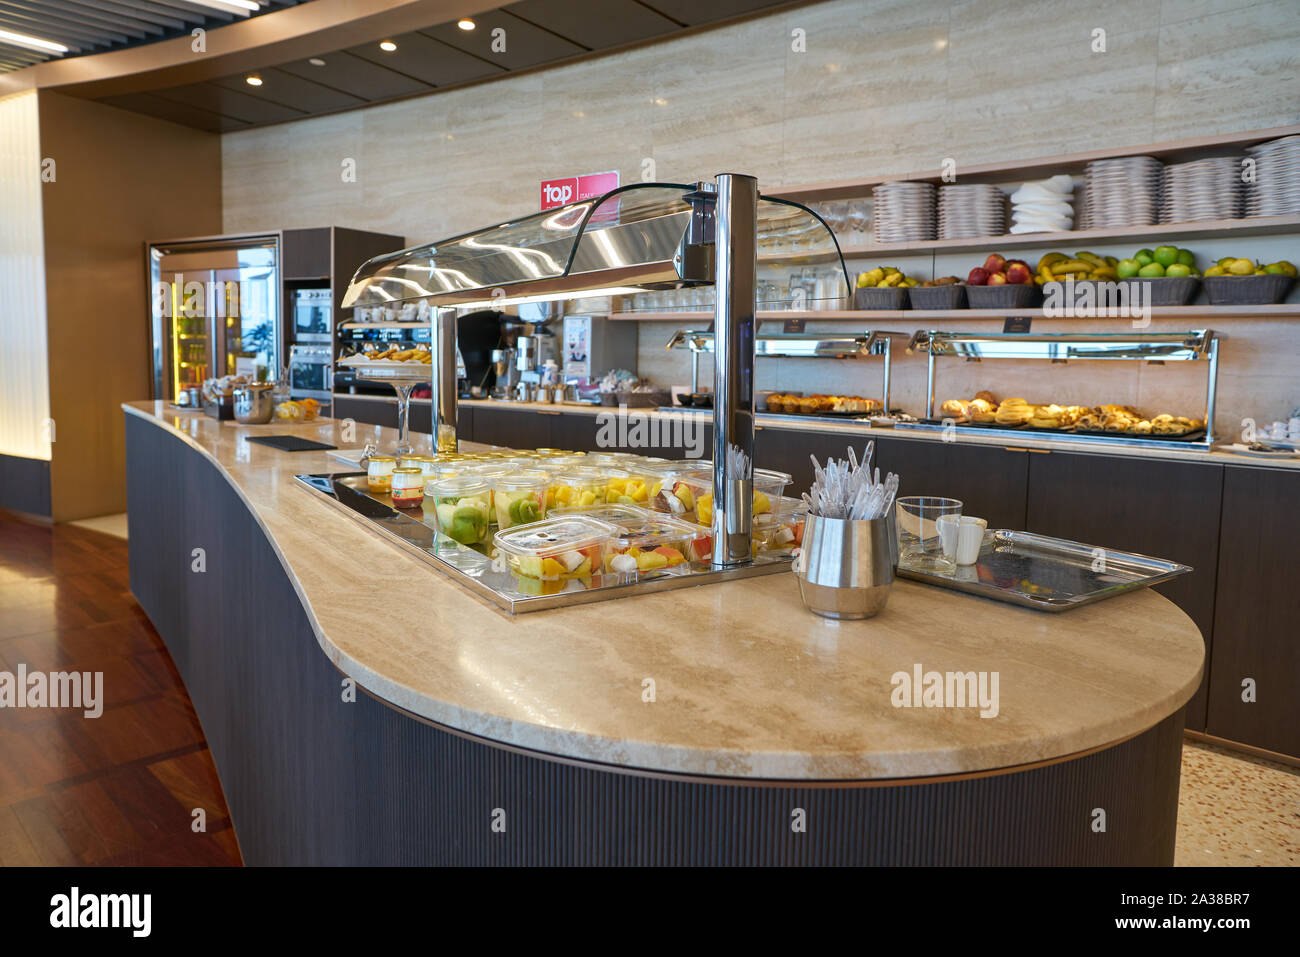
312 780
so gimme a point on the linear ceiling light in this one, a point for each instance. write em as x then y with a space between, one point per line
32 43
242 7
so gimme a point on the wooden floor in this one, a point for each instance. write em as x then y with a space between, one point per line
120 788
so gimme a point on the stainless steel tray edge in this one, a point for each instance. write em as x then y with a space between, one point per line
765 565
1162 570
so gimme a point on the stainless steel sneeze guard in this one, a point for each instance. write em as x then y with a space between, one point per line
1049 574
476 571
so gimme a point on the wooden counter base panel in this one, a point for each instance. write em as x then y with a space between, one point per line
312 778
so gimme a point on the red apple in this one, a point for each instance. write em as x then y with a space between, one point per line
979 276
994 263
1018 273
997 279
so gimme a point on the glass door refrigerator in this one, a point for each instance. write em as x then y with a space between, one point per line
215 310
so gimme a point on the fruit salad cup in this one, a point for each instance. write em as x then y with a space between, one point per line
520 498
579 487
557 549
690 496
658 542
780 530
461 505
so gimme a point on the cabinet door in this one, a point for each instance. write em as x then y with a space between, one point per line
990 481
516 429
366 411
789 450
1160 508
1257 611
575 431
465 423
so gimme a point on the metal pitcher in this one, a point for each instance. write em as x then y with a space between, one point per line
845 568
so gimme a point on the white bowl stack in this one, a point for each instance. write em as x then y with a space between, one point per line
1120 193
1045 206
1201 190
971 210
904 212
1276 190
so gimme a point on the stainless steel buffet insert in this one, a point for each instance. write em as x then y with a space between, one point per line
475 569
1049 574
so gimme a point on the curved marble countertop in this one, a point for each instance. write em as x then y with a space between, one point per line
747 683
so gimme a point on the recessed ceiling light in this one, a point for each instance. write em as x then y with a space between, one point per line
32 43
316 61
253 80
388 46
465 23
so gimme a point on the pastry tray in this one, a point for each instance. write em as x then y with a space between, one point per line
474 569
1049 574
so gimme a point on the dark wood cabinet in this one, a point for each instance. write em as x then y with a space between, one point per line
991 481
1257 611
306 254
514 428
1165 509
464 423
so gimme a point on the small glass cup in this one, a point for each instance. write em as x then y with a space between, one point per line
920 545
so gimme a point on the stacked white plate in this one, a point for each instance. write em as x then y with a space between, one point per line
904 212
1121 192
1276 190
974 210
1045 206
1200 190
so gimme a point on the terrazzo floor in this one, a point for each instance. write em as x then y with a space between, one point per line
1236 810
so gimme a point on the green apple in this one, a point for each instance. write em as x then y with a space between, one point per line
1186 257
1227 261
1144 256
1166 255
1178 269
1151 271
1127 268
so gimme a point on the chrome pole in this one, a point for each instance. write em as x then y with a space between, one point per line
444 380
736 258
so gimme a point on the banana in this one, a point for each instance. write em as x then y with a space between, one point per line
1049 258
1091 257
1072 265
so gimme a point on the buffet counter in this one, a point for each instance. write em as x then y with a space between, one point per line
711 712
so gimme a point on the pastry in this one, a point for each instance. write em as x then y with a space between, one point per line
1014 412
987 396
981 410
954 407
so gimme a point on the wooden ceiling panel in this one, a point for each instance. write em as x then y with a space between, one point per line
233 103
525 44
286 90
173 112
355 76
596 24
428 60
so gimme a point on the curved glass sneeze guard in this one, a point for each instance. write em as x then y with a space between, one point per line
625 241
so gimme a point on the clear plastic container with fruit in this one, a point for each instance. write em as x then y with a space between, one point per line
781 529
688 494
557 549
576 487
460 503
626 517
631 484
659 542
520 498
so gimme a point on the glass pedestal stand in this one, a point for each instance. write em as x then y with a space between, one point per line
402 385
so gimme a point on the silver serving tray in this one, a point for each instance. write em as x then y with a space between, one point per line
1049 574
474 569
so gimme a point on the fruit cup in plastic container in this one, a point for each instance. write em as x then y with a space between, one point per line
693 491
781 529
625 517
461 505
556 549
520 498
658 542
635 484
576 487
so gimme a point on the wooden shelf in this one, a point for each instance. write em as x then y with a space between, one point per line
1284 310
1210 229
1036 168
